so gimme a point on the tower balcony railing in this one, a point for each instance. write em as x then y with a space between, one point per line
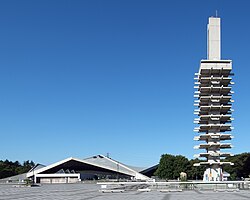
206 118
213 101
214 108
213 154
208 79
216 69
213 163
217 145
219 136
210 83
221 129
214 88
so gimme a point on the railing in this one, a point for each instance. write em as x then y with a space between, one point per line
174 186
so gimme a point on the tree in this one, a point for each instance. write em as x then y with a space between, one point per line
9 168
165 167
195 173
171 166
181 164
241 167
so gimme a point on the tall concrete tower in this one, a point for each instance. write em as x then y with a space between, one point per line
213 100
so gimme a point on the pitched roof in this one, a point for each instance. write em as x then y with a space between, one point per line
99 161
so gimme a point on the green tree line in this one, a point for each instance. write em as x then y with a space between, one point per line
241 167
171 166
9 168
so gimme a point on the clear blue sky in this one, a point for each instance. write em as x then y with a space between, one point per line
79 78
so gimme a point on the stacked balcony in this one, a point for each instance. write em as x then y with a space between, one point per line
214 110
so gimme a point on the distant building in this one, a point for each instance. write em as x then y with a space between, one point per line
214 102
72 170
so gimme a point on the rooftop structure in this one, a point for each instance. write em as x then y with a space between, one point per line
214 105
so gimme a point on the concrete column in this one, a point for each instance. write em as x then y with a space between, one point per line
213 37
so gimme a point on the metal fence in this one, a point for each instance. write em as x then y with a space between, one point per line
174 186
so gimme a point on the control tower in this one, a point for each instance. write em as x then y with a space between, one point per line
213 99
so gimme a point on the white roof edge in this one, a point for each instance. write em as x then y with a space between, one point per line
217 60
29 174
126 167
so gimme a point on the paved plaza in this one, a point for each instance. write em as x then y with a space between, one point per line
91 191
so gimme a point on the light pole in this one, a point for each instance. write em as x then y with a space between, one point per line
117 171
